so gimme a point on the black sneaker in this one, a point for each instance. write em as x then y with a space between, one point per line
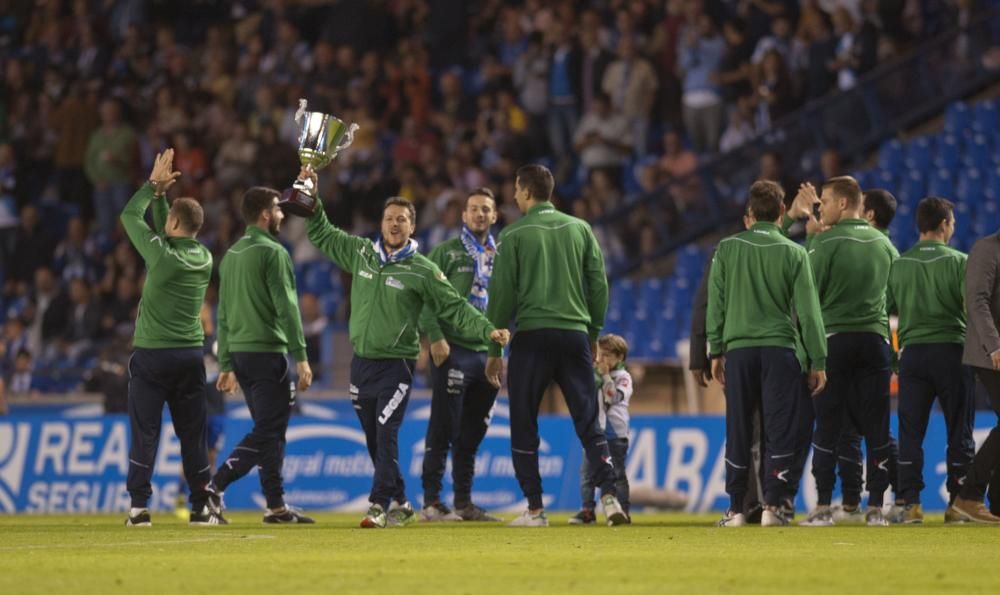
289 516
206 517
140 520
584 517
215 503
473 513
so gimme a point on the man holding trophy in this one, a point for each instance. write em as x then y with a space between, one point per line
392 284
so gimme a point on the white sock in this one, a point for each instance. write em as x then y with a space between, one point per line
134 512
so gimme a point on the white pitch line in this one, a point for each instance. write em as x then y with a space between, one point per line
131 543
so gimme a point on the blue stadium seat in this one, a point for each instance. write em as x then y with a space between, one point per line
885 178
978 152
970 187
957 117
891 155
963 227
942 183
987 218
987 116
913 187
920 153
949 152
652 292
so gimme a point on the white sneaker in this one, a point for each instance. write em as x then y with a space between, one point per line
773 518
613 511
439 513
821 517
733 519
842 516
875 518
530 519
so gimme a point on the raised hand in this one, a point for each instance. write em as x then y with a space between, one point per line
163 175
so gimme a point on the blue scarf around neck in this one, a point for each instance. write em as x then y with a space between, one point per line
482 266
385 258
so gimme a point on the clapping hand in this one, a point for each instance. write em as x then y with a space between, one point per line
163 175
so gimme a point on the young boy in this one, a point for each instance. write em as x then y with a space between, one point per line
614 390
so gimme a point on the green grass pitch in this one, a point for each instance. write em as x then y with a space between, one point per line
671 553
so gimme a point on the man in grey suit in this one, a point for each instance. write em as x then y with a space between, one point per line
982 352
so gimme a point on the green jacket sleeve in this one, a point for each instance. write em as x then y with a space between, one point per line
503 289
160 211
428 322
819 264
281 286
149 244
338 245
597 285
715 318
809 314
222 333
454 309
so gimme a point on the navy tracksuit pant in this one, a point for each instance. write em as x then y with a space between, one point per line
175 377
461 407
538 358
771 378
380 391
269 390
925 372
856 395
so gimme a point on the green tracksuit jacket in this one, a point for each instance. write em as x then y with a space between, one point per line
927 290
757 276
177 274
550 270
456 264
258 304
386 301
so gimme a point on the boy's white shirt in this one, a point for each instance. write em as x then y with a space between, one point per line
613 398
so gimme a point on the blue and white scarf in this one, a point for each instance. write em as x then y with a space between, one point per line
402 254
482 266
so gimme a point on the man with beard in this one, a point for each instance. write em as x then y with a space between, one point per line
392 284
259 325
462 399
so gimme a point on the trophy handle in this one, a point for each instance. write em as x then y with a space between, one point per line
348 139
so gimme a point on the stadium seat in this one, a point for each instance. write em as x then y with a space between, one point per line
978 152
957 117
949 152
919 153
969 189
891 155
941 183
987 116
913 187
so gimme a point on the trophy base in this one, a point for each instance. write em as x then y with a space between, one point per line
298 203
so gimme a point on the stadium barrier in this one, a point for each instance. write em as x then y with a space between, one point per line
75 461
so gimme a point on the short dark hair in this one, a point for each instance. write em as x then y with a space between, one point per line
481 191
883 203
845 187
766 199
189 214
399 201
537 180
932 211
256 200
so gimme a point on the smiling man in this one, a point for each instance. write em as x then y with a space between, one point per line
392 284
463 398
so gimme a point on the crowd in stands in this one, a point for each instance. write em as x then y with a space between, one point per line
620 97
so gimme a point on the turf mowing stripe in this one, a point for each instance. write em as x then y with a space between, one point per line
131 543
